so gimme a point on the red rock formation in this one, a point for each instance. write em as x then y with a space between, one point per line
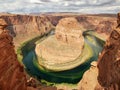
12 75
108 65
26 24
109 62
89 80
101 23
3 24
70 31
25 27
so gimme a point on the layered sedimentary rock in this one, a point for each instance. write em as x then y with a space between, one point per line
67 54
89 80
63 47
26 24
109 61
107 75
70 31
12 75
25 27
3 24
102 23
21 25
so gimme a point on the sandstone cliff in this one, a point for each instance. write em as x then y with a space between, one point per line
25 27
101 23
107 75
12 75
69 31
109 61
89 80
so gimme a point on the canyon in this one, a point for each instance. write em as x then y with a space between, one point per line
21 28
24 27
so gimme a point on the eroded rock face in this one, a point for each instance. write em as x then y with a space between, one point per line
25 27
109 62
89 80
107 75
12 75
21 24
69 31
3 24
63 47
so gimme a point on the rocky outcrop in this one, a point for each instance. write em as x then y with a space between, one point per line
34 22
70 31
89 80
3 24
12 75
26 24
107 75
109 61
25 27
63 47
103 23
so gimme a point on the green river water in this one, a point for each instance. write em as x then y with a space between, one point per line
30 61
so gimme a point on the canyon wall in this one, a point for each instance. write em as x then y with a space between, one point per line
31 25
102 23
109 61
69 31
25 27
12 76
105 74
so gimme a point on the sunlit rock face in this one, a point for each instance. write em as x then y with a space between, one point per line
3 24
109 61
25 27
63 47
89 80
55 52
69 31
12 76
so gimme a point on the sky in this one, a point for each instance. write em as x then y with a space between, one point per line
79 6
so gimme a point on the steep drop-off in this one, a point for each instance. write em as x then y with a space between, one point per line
32 25
22 27
25 27
109 61
102 23
12 76
105 75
